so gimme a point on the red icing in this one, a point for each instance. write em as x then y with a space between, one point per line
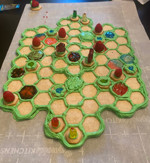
8 96
50 41
55 122
62 33
99 47
36 41
98 28
112 65
120 89
35 3
118 72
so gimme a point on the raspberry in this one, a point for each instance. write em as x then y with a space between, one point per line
118 72
8 96
62 33
98 28
36 41
99 47
35 3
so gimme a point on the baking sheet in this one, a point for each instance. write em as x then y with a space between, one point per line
124 140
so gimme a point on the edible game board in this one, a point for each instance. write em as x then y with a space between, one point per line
66 88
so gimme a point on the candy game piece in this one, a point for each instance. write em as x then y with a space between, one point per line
118 73
56 125
35 5
60 49
74 56
8 96
55 122
73 133
62 34
74 16
98 29
90 56
88 61
84 19
36 43
99 47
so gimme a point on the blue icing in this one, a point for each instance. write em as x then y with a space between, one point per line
59 90
109 34
127 58
40 52
99 38
51 31
130 68
39 35
117 63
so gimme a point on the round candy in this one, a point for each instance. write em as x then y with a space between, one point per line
8 96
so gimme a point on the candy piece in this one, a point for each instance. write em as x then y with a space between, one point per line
98 28
73 133
99 47
36 41
35 3
120 89
74 56
55 122
27 92
60 47
17 72
84 18
74 14
8 96
62 33
90 56
118 73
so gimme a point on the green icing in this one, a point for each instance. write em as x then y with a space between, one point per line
104 81
31 65
36 55
74 83
86 36
130 68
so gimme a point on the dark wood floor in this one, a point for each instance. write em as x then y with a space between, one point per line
9 20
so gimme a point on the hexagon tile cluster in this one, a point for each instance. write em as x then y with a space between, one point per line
74 72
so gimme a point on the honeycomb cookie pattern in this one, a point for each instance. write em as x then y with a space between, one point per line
82 100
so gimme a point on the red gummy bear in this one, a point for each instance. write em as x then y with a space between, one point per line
98 28
118 72
35 3
55 122
62 33
99 47
8 96
36 41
